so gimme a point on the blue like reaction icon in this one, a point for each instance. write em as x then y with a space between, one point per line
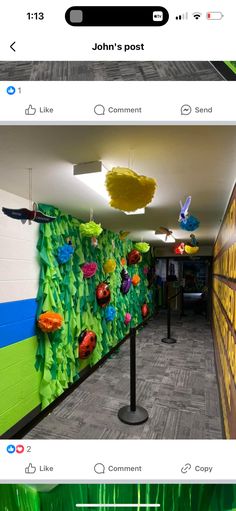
11 90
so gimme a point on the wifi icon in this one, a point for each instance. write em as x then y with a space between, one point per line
197 15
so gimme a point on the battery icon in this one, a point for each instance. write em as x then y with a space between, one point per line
215 15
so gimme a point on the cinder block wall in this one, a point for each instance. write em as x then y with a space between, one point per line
19 273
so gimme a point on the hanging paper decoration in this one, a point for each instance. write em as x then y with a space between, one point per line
109 266
179 250
191 250
123 261
190 224
123 235
110 313
125 282
64 253
142 247
128 190
25 214
50 321
128 318
103 294
167 234
133 257
145 310
192 247
145 270
194 242
184 210
89 269
87 343
90 229
135 280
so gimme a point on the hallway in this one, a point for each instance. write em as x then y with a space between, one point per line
177 384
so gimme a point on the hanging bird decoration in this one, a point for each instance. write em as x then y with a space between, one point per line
32 215
184 210
194 242
24 214
167 232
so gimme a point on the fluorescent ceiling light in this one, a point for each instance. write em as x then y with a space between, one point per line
166 239
93 175
95 180
140 211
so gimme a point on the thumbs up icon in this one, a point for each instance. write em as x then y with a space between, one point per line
30 110
30 469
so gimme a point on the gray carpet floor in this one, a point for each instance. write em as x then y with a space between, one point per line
148 70
177 384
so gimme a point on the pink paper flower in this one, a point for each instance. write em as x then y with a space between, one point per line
89 270
128 318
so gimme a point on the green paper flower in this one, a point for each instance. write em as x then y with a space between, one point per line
90 229
142 247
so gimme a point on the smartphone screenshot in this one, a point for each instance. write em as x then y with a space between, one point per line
117 256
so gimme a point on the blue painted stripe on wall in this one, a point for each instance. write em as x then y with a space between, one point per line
17 321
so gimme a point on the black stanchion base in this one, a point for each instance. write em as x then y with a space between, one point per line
169 340
133 418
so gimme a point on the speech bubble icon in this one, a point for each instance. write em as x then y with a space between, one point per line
186 109
99 110
99 468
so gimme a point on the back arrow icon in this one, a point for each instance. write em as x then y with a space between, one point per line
11 46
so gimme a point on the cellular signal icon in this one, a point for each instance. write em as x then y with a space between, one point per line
197 15
181 17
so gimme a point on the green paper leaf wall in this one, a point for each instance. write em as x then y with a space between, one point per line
63 289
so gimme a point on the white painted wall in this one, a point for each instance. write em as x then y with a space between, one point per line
19 267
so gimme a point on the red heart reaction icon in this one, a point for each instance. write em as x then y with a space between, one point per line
20 449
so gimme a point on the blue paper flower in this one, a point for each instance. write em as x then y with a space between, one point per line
110 313
64 253
191 224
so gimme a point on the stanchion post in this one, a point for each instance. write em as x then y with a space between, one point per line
133 414
169 339
132 370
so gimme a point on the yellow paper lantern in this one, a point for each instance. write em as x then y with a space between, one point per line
128 190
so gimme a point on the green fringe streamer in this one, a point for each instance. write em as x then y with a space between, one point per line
63 289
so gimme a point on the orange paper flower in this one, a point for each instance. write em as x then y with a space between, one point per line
50 321
135 280
123 261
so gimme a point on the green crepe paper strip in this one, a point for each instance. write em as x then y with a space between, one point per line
63 289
